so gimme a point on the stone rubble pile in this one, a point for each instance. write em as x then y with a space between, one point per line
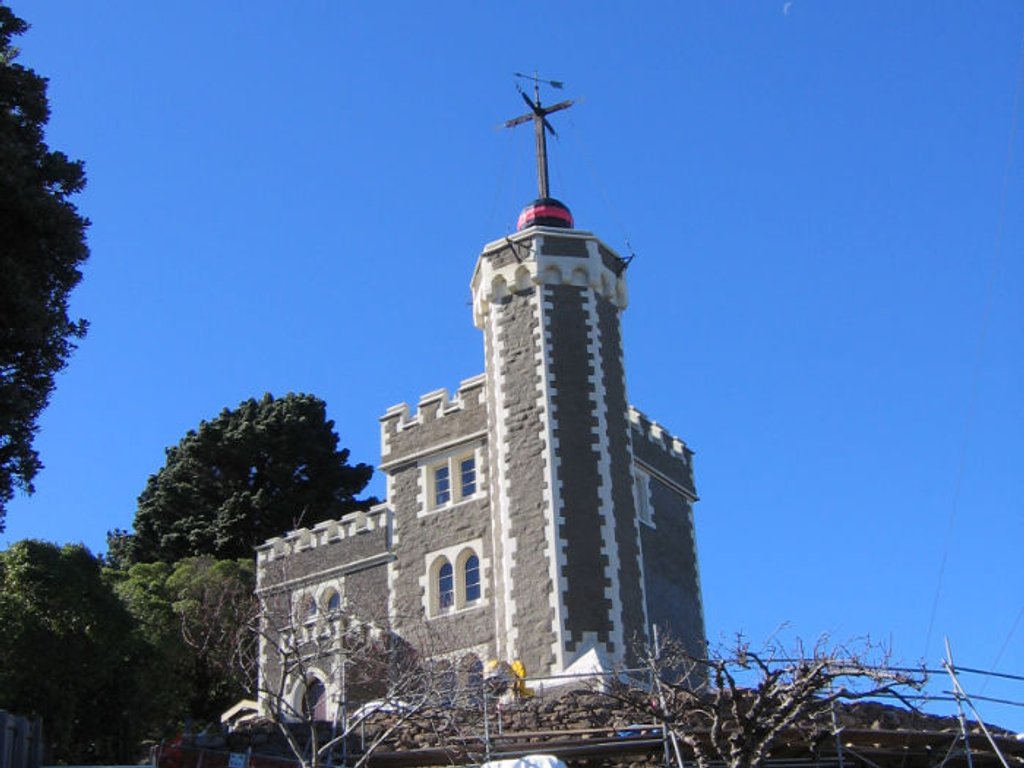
461 725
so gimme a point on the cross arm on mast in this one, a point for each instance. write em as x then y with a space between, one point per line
538 114
519 120
560 105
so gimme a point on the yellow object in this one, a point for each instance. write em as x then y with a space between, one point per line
519 686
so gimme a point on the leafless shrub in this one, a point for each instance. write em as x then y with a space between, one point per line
736 704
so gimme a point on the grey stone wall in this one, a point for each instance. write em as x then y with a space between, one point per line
587 606
610 260
311 562
621 466
505 256
411 443
366 593
418 535
670 568
524 475
564 246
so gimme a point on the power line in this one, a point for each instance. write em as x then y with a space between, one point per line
980 347
1006 642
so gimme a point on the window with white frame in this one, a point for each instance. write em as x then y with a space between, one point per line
642 496
332 601
471 578
445 587
467 476
442 485
451 480
306 609
454 579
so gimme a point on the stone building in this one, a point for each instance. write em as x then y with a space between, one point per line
535 514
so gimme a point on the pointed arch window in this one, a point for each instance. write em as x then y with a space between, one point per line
471 578
445 586
306 609
454 579
333 602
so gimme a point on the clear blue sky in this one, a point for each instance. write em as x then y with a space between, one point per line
826 301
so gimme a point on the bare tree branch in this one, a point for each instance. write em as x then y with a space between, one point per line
751 698
304 652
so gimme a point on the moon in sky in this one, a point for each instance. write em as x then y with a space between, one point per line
786 7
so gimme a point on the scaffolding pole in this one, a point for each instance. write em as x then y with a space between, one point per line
668 735
961 696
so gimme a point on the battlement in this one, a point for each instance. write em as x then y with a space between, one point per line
543 256
435 404
327 533
437 417
661 451
657 434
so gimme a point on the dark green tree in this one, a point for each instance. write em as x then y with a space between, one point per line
69 653
250 474
167 679
42 248
196 618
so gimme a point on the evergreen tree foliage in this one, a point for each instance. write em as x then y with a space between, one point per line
67 645
250 474
42 248
196 617
144 592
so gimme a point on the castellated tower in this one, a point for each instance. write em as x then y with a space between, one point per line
570 502
534 514
564 526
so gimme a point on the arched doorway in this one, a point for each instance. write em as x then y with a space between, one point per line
314 702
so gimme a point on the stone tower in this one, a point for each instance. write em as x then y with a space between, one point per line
535 514
566 531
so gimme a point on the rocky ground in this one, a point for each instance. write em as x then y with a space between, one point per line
462 724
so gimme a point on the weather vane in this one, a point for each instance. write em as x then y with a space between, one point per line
538 113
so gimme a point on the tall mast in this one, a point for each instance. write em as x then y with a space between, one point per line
538 114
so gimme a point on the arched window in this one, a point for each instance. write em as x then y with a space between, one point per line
306 609
455 580
333 602
523 281
445 587
471 575
499 288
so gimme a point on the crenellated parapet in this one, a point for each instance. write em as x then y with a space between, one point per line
660 450
323 534
356 541
656 433
543 256
437 420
